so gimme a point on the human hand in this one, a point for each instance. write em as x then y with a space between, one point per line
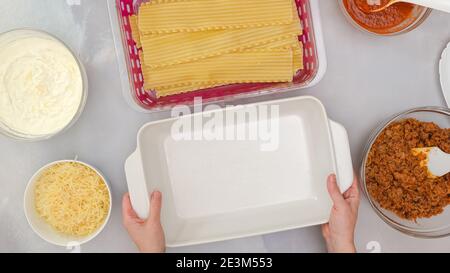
148 235
339 231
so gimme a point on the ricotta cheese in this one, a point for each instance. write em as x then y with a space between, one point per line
41 85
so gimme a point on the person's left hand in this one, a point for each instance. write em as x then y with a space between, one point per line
148 235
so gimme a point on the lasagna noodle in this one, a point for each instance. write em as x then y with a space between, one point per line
144 68
135 34
294 44
141 58
287 43
176 48
161 92
240 67
197 15
291 43
297 51
192 86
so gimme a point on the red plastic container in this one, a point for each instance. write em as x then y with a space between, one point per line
146 100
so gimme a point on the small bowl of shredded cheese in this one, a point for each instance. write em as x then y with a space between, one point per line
67 202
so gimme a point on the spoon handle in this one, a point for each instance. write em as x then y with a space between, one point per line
442 5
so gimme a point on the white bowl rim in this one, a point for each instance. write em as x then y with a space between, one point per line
31 182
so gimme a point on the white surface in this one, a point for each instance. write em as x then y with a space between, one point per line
442 5
216 189
444 72
41 227
105 135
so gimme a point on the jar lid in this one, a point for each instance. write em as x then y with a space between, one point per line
444 71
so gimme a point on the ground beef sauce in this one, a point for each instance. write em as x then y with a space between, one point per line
382 21
394 177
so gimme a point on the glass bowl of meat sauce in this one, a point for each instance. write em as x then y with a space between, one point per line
396 19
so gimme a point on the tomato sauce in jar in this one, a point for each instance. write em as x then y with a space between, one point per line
386 21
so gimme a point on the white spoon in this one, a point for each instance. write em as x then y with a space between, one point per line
442 5
437 161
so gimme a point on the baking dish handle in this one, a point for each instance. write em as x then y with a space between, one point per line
344 165
136 185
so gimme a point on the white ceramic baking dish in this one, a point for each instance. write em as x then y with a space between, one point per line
216 190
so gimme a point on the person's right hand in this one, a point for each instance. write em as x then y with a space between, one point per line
339 231
148 235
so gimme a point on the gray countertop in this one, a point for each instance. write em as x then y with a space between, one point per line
106 133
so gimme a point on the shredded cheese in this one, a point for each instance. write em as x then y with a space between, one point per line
72 198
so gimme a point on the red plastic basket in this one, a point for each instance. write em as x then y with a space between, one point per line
147 99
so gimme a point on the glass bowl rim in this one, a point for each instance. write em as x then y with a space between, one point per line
9 132
428 233
417 22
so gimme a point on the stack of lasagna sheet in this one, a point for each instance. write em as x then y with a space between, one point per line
188 45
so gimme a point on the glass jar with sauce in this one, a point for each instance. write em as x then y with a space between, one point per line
396 19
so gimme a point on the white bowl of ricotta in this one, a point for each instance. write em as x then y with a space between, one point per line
43 85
